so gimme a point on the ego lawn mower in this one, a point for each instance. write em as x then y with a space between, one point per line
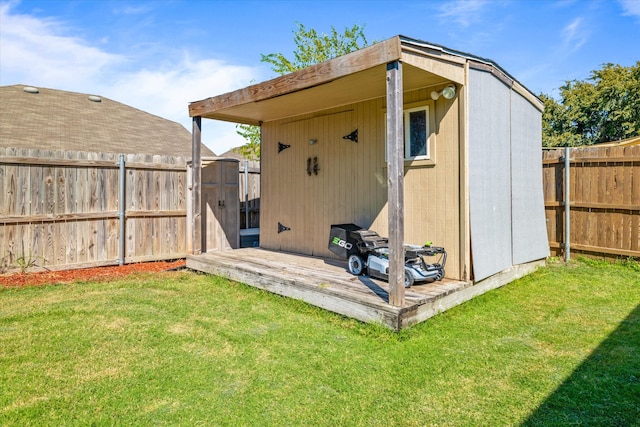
368 253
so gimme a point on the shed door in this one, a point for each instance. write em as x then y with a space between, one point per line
315 177
220 205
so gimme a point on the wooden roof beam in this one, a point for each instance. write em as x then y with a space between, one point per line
360 60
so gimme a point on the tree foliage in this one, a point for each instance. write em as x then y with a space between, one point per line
605 107
250 150
311 48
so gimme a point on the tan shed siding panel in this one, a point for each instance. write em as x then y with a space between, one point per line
271 172
432 193
380 217
351 181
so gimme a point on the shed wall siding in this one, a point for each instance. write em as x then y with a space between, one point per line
351 181
489 174
505 177
432 194
529 227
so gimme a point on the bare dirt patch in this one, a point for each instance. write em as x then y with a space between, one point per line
86 274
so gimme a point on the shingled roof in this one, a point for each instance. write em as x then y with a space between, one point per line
60 120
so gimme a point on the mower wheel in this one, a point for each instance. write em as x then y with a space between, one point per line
356 265
408 278
440 275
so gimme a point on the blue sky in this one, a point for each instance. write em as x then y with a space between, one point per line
158 55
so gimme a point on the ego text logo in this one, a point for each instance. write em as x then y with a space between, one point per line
342 243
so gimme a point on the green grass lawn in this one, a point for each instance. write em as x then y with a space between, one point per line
559 347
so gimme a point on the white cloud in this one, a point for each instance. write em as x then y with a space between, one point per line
43 52
167 93
574 35
132 10
631 7
559 4
462 12
36 51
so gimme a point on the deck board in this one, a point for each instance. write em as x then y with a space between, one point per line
328 274
327 283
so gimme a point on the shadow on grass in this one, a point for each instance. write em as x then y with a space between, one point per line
604 389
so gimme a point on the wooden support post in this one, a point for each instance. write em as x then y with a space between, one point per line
196 178
395 191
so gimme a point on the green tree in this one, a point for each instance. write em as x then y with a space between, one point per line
605 107
311 48
556 129
250 150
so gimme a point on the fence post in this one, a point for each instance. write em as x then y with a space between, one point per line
122 210
567 207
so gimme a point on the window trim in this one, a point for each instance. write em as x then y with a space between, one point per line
406 115
421 161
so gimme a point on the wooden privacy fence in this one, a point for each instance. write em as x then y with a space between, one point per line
69 209
603 200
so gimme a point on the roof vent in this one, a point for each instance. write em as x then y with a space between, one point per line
30 89
95 98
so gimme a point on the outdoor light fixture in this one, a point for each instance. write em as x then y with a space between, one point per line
312 141
448 92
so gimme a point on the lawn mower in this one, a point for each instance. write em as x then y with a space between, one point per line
368 253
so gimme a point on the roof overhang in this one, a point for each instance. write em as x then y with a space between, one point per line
351 78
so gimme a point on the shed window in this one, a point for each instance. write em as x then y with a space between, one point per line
419 149
416 133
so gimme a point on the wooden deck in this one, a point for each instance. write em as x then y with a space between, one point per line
326 283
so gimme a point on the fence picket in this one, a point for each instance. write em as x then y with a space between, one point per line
58 207
605 200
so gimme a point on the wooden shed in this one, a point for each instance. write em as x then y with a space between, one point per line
413 140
